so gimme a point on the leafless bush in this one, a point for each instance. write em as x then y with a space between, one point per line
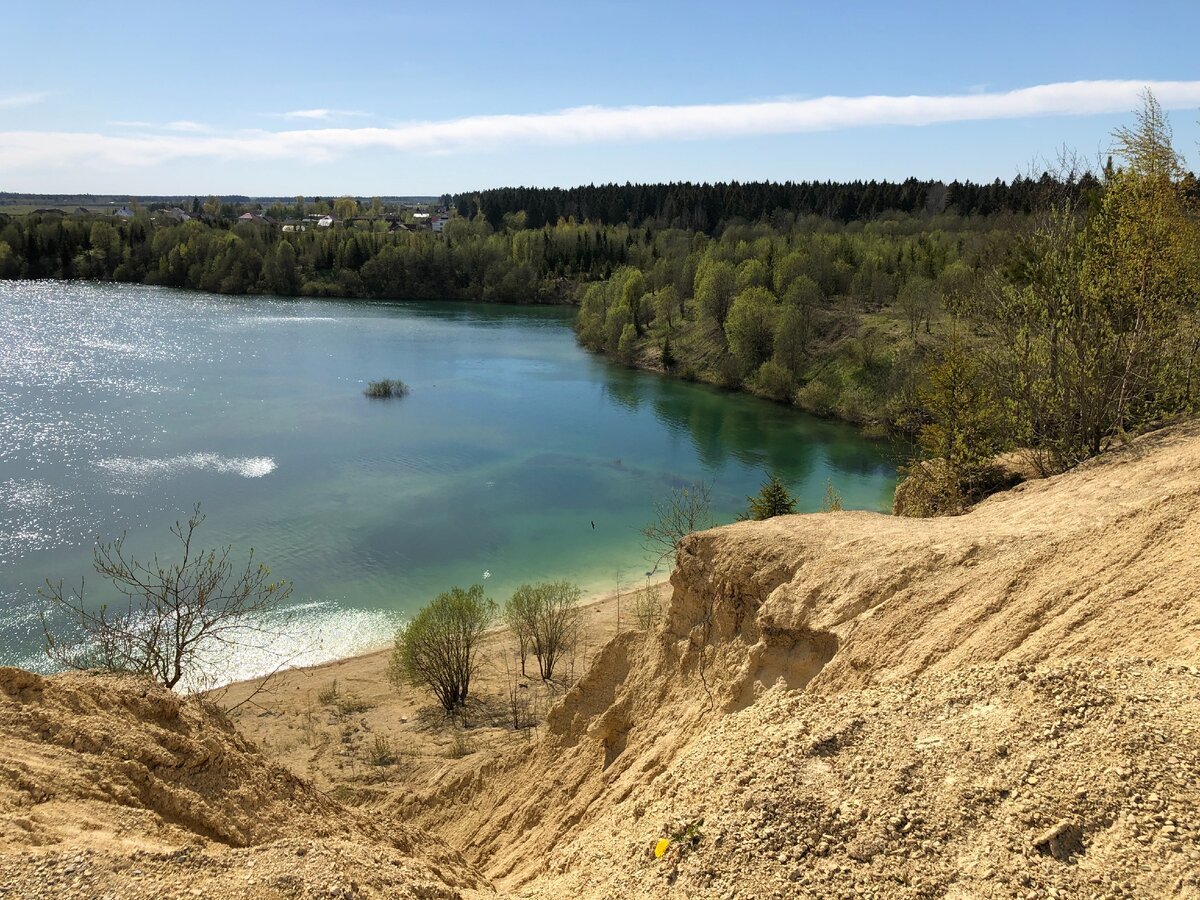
329 693
685 510
519 705
176 616
461 746
380 752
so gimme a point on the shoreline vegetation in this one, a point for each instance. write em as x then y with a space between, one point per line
851 264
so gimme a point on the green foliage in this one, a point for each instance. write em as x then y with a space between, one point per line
439 648
386 389
714 291
773 499
1075 296
647 607
965 418
628 345
1094 332
773 380
545 619
918 300
750 328
668 356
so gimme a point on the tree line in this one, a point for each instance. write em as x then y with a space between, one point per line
708 207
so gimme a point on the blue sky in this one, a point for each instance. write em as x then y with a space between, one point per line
421 98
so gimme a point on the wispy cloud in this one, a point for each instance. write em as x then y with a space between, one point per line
321 114
595 124
11 101
182 125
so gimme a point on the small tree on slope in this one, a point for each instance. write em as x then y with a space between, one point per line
773 499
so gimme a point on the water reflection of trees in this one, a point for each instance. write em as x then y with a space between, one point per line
754 433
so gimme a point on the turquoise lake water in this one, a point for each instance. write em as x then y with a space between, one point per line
121 406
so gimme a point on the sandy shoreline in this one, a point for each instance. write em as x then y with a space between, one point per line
334 721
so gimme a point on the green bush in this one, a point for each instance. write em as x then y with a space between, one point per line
439 648
773 499
647 608
774 381
933 487
545 618
817 397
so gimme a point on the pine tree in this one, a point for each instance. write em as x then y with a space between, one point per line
773 499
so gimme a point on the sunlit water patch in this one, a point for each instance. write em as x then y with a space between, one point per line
307 633
137 470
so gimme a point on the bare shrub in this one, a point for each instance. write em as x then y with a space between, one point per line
329 693
519 705
175 617
686 509
461 746
380 752
350 704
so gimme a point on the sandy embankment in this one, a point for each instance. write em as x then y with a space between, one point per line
328 721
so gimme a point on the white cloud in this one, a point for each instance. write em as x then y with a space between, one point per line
322 115
11 101
186 126
593 124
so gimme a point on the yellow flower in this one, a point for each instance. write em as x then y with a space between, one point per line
661 847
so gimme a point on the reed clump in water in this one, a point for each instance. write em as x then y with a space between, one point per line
387 389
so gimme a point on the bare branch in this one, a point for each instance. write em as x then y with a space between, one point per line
176 615
686 509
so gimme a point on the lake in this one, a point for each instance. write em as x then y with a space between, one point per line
517 455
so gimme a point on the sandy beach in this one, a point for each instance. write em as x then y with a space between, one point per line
348 728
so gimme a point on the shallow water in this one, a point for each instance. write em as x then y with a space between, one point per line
121 406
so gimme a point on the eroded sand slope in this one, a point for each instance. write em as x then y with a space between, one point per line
112 787
1001 704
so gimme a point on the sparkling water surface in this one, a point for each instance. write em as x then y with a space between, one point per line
121 406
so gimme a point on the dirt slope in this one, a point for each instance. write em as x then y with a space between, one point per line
1001 704
112 787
